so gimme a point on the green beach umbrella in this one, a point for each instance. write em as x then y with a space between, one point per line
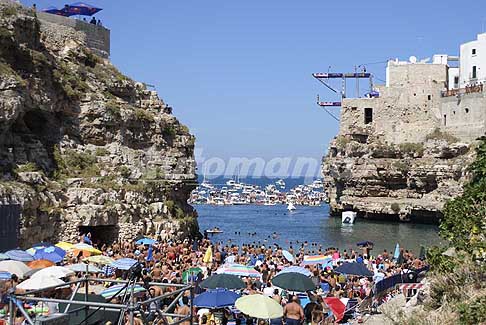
293 281
188 273
259 306
226 281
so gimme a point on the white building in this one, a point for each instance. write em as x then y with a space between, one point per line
473 62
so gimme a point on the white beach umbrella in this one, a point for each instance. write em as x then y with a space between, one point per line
53 271
14 267
36 283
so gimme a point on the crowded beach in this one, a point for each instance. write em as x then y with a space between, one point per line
226 283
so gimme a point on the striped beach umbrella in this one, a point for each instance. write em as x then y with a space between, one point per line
316 259
4 275
239 270
19 255
123 263
120 290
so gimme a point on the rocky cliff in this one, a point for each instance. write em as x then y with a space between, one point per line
407 182
83 147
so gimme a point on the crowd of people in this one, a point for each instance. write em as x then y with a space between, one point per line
166 261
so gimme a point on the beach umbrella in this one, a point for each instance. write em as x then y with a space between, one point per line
37 246
53 10
296 269
40 282
353 269
40 264
316 259
123 263
4 257
100 259
86 248
51 253
64 245
19 255
188 274
4 275
226 281
216 299
80 8
53 271
294 282
42 244
81 267
337 307
146 241
239 270
259 306
397 252
120 289
14 267
208 256
288 256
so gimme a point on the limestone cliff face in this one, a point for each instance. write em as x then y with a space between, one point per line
83 145
394 157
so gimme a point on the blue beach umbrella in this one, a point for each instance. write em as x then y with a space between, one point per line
19 255
81 8
296 269
42 244
397 252
146 241
53 10
4 275
4 257
216 299
123 263
353 269
51 253
288 256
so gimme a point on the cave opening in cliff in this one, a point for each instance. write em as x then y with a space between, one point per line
100 235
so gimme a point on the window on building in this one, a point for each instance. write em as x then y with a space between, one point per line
473 51
429 97
474 72
445 119
368 115
467 110
456 81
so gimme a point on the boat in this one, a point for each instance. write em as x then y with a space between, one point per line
348 217
215 230
291 206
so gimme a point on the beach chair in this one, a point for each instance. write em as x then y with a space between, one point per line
351 308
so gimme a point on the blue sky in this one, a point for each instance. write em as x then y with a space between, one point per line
238 72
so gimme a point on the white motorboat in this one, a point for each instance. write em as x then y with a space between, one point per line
348 217
291 207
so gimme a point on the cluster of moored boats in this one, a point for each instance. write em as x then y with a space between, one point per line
235 193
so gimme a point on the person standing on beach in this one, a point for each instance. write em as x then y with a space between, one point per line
293 312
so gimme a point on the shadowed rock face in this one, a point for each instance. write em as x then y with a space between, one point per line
83 145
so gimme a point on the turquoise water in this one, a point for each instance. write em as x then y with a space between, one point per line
312 224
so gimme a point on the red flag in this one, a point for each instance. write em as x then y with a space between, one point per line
337 307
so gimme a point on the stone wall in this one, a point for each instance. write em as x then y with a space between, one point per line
464 115
97 37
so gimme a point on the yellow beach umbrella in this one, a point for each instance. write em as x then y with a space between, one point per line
259 306
86 248
100 259
208 257
65 245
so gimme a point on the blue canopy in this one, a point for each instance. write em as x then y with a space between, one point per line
123 263
53 10
216 298
146 241
80 8
353 269
19 255
52 253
